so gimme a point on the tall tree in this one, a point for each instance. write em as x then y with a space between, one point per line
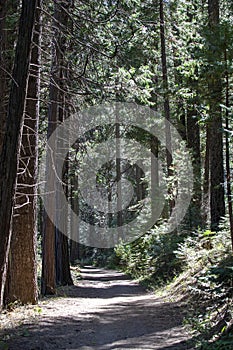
166 101
10 150
228 158
55 264
62 14
22 276
188 102
215 142
8 23
118 176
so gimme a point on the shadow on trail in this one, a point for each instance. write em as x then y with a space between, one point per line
103 292
106 278
112 321
114 285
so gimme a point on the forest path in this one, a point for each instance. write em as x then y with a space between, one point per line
105 311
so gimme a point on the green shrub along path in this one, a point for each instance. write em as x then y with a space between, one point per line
105 310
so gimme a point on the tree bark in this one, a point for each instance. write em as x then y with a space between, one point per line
166 97
7 39
154 147
228 163
217 203
22 271
193 142
206 180
74 244
55 265
118 177
10 150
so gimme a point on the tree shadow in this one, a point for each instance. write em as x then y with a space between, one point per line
103 284
139 321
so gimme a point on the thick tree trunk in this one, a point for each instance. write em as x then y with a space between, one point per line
217 204
7 38
22 276
55 267
10 150
48 278
63 275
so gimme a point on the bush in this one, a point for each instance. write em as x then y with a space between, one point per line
202 263
208 260
152 258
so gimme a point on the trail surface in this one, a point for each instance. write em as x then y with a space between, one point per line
104 311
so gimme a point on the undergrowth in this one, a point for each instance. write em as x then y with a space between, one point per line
196 267
151 258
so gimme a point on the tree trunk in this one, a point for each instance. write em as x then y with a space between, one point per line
10 150
228 166
55 266
154 147
193 142
118 177
74 244
63 275
206 180
48 278
7 40
154 164
22 276
166 96
217 204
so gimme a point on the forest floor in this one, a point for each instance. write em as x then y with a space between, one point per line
105 310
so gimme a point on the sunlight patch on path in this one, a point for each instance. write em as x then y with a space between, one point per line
106 311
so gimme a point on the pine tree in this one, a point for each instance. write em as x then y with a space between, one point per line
10 151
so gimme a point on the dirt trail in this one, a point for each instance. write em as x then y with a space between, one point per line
104 311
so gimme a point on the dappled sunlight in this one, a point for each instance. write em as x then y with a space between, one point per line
114 313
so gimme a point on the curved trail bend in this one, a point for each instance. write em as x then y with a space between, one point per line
105 311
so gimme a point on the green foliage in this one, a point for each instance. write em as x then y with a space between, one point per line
199 265
152 257
104 257
208 262
224 343
3 345
115 53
